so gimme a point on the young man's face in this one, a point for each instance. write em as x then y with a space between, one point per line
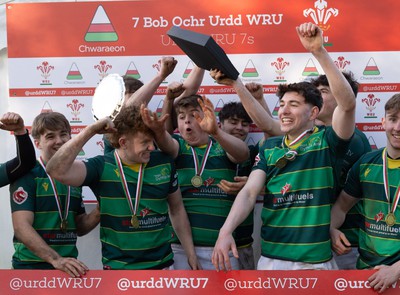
236 127
391 124
50 141
329 105
188 127
295 115
136 148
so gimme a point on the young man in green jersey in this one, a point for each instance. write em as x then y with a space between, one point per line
204 155
374 179
25 159
138 192
48 216
296 170
233 119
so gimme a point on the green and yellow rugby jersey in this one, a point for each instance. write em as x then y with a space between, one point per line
34 192
123 246
298 196
379 243
207 206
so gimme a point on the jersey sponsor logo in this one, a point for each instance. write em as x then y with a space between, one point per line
45 186
379 216
20 196
144 212
285 189
209 181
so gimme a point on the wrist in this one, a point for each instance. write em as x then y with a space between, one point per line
21 131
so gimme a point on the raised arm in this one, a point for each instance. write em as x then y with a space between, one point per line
256 90
236 149
260 116
344 115
26 158
63 166
144 94
176 91
164 140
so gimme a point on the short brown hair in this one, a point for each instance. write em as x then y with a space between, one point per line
393 104
128 121
53 121
188 101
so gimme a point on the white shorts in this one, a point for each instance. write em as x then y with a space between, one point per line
204 255
266 263
347 261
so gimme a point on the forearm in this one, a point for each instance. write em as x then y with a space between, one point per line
338 85
31 239
181 225
337 216
62 161
237 149
25 160
166 143
260 116
193 81
167 108
144 94
85 223
241 208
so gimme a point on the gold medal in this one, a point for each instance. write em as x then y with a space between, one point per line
197 181
390 219
135 221
63 225
281 162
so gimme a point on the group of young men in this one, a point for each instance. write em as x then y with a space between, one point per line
169 201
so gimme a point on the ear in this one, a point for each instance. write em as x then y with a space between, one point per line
383 121
122 142
37 143
314 113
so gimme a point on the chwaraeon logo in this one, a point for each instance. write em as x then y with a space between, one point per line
101 28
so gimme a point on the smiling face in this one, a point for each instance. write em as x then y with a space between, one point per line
236 127
391 124
136 148
295 114
50 141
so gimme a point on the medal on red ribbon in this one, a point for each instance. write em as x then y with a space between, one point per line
63 217
196 180
134 208
390 218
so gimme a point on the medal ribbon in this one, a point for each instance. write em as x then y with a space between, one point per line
298 138
203 161
125 184
58 200
386 184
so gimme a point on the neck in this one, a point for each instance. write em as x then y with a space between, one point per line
292 137
393 153
124 158
327 122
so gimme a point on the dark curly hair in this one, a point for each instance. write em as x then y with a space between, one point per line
310 92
